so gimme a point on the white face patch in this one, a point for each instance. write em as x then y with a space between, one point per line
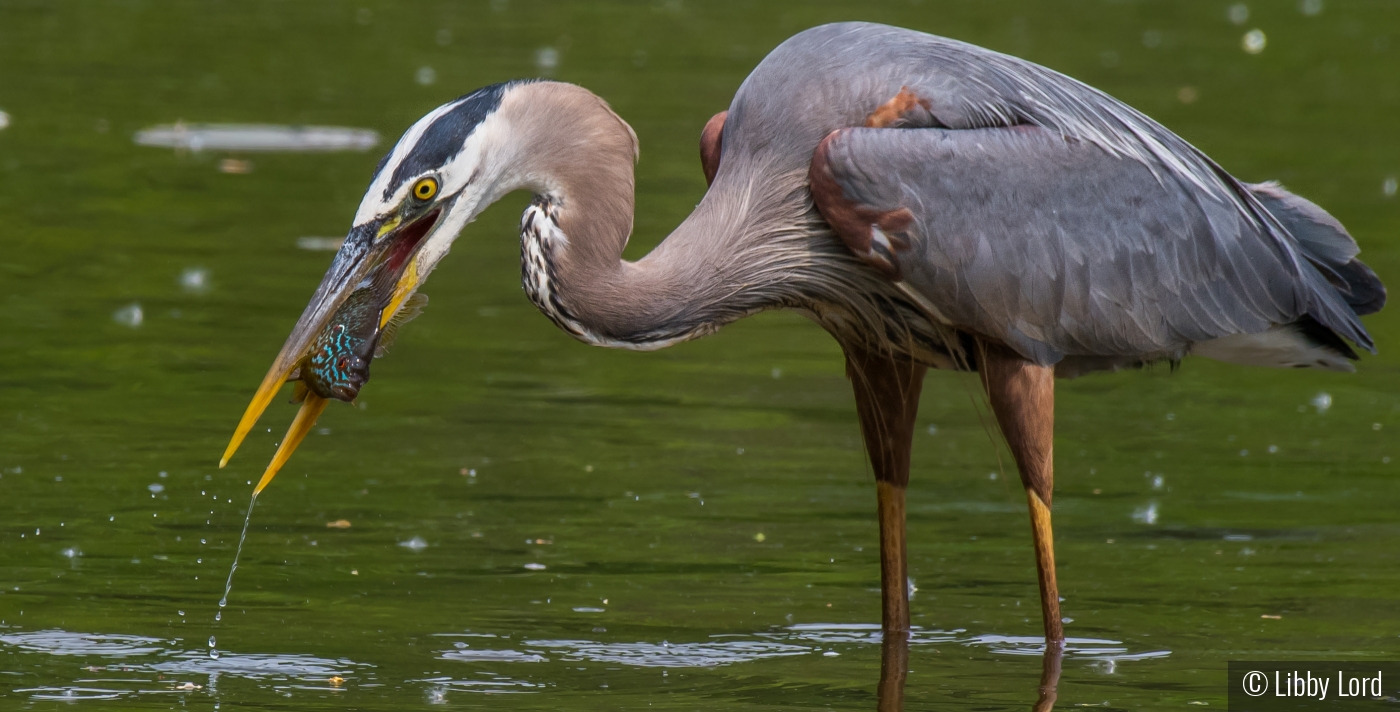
474 177
451 144
374 204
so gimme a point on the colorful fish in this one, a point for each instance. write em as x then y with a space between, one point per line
338 364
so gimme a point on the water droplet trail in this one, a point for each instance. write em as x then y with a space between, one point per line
228 584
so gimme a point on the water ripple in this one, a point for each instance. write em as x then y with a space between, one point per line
62 642
803 639
255 666
672 655
73 694
163 660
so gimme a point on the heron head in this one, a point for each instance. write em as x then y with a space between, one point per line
444 170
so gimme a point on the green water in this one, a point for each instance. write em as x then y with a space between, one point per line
606 552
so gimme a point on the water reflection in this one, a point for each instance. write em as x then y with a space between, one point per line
894 671
140 666
803 639
796 640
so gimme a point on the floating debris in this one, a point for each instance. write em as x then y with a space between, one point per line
235 166
155 488
320 244
130 315
535 567
759 537
414 544
1272 618
1187 95
256 137
338 524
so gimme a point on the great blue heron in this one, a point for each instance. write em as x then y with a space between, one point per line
928 202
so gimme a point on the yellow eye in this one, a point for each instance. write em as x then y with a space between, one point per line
425 189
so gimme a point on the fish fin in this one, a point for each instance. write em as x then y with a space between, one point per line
299 392
412 307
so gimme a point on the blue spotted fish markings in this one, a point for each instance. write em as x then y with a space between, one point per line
338 364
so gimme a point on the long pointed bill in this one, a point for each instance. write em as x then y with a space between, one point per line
383 247
311 409
271 383
348 268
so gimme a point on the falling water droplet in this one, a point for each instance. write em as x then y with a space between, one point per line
228 585
219 616
212 641
213 654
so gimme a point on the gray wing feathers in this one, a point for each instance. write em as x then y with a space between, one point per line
1059 246
969 87
1327 243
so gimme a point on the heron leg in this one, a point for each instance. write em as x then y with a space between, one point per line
887 399
1022 395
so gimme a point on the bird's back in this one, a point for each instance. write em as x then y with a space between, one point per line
832 77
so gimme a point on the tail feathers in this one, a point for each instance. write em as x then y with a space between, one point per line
1304 344
1326 244
1367 294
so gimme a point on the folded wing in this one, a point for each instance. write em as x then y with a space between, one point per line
1059 246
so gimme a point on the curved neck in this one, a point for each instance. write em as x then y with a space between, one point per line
577 156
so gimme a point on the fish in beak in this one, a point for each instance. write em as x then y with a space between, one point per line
365 295
445 169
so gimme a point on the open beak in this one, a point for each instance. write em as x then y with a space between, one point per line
385 244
